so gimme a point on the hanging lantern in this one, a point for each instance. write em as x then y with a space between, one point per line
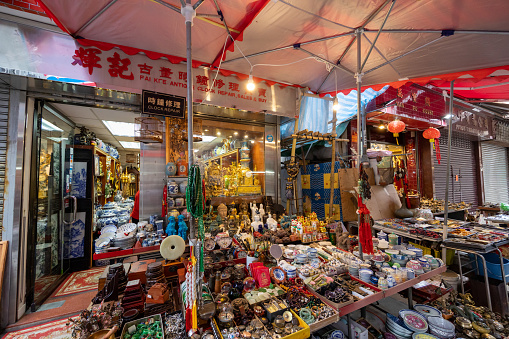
395 127
433 134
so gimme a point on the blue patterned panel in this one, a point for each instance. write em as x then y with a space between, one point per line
318 194
79 180
74 237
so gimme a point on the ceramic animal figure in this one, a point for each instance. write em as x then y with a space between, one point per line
170 229
182 227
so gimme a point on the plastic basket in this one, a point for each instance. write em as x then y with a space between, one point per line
492 265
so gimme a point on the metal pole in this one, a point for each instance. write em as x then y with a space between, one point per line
333 162
446 199
358 33
378 34
189 64
504 278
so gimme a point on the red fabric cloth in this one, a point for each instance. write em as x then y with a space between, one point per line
365 238
136 209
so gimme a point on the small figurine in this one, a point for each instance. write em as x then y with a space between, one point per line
271 223
182 227
257 225
254 210
170 229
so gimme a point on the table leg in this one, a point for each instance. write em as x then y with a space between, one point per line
410 297
461 273
486 281
503 275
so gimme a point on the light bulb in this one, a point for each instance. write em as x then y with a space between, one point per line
250 84
335 105
382 126
218 133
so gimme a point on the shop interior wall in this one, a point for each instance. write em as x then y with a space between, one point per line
152 178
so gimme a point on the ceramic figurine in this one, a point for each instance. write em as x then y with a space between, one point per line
257 224
254 210
271 223
182 227
261 210
170 229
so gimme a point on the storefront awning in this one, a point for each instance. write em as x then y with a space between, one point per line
310 38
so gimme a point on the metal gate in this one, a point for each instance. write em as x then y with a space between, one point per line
495 173
463 179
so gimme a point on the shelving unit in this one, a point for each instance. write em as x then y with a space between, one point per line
104 159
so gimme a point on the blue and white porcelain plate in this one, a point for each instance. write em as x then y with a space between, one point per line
109 229
279 274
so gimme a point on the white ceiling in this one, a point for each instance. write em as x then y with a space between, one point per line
92 118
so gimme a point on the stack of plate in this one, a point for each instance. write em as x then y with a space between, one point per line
109 229
427 311
397 327
124 241
414 321
102 245
441 327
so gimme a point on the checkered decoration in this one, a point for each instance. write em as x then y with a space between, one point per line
316 185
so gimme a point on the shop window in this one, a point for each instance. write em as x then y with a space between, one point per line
232 159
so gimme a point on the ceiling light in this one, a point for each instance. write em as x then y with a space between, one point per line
218 133
206 130
252 141
382 126
121 129
130 144
235 133
250 84
48 126
245 136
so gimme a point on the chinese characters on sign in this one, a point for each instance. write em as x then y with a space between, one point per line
124 71
163 104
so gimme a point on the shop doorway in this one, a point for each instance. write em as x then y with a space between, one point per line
52 206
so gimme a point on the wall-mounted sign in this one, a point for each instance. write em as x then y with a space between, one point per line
163 104
270 138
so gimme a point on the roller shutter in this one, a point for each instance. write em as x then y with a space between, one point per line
495 173
463 179
4 116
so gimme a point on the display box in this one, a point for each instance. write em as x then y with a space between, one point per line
156 317
358 331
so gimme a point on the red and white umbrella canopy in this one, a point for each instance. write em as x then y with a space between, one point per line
419 38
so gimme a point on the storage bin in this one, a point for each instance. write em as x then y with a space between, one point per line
492 265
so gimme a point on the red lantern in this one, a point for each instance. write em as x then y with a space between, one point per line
431 134
395 127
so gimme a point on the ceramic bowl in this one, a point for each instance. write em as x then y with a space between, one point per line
414 265
441 324
392 252
427 311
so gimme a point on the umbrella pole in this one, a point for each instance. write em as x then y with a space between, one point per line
360 133
449 141
194 277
